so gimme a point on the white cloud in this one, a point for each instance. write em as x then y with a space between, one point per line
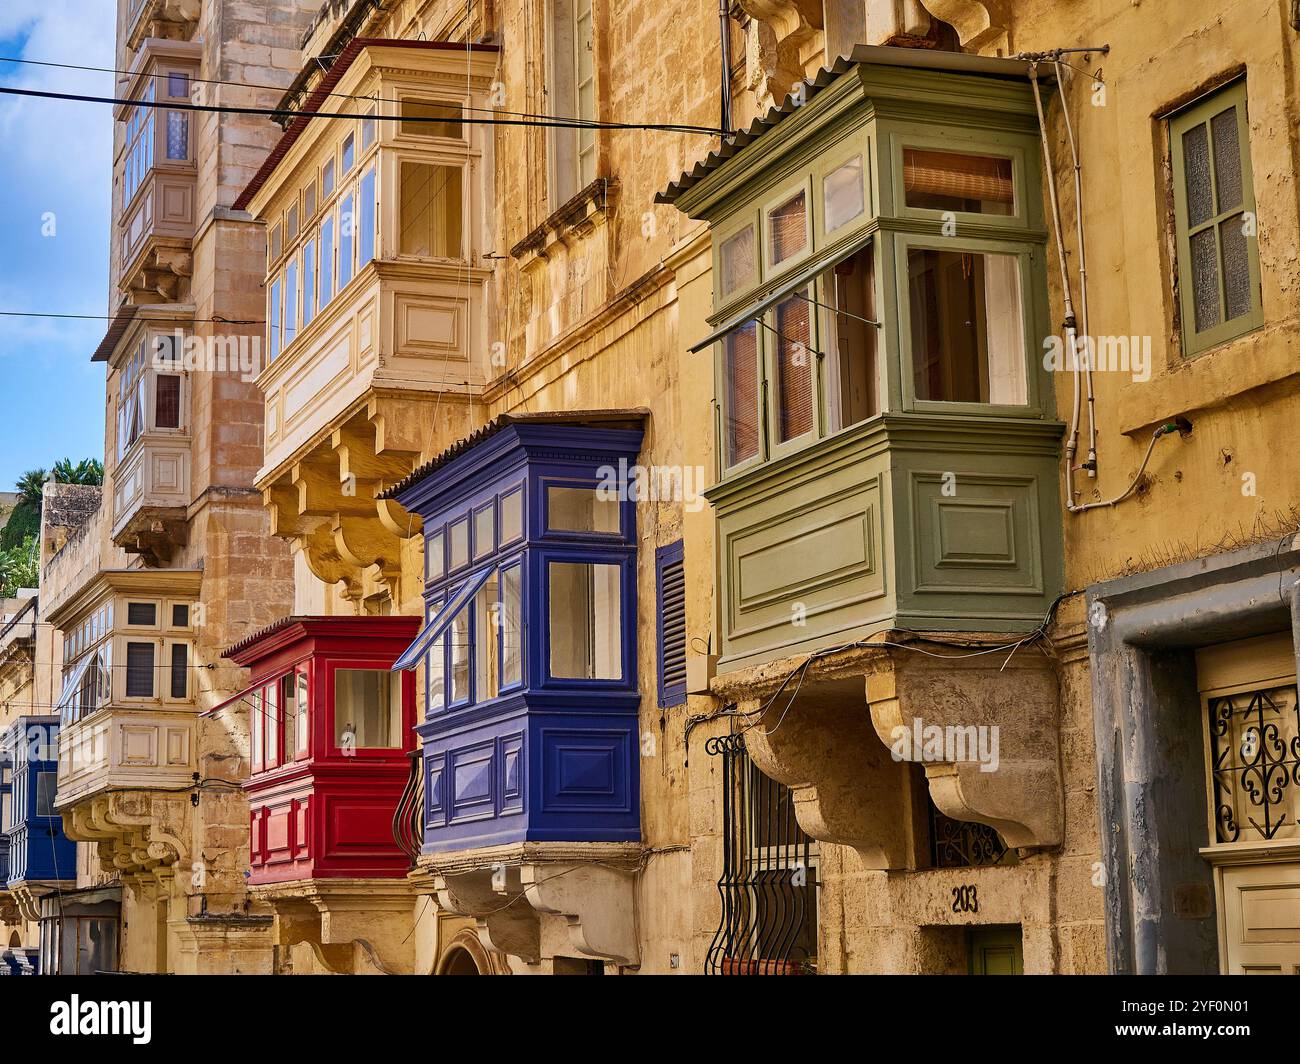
55 159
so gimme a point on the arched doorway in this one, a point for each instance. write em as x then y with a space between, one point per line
466 955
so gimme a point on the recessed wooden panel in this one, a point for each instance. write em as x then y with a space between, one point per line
139 744
427 326
975 532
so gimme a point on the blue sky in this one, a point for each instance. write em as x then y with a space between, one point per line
54 157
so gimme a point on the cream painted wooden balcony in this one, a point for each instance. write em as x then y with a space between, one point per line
128 735
125 749
377 345
151 494
155 175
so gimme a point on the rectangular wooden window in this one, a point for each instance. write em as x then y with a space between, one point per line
429 217
347 234
671 580
955 181
139 670
738 261
511 622
578 509
787 229
325 286
1214 209
792 322
741 384
843 193
852 370
432 118
274 319
308 282
167 401
180 671
141 614
586 621
967 327
366 219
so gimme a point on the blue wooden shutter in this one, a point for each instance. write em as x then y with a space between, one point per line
670 579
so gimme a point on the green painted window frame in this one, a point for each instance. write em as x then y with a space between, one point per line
1024 253
1201 112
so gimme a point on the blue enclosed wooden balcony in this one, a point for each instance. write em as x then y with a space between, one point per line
529 650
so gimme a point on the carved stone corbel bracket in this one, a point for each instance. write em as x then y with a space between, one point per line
988 732
505 921
598 904
980 24
783 27
138 832
847 788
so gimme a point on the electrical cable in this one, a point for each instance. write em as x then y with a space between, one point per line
275 112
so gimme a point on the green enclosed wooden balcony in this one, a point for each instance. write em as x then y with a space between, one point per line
887 451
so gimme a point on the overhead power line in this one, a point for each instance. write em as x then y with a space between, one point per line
270 88
182 320
275 112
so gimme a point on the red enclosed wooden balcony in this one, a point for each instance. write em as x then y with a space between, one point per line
330 727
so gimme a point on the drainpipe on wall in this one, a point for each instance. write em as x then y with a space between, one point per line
724 30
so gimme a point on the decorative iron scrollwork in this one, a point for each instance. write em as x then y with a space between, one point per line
1255 763
768 885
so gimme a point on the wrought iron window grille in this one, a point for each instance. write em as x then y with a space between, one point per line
768 885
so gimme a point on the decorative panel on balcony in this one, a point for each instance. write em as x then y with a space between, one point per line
330 732
530 724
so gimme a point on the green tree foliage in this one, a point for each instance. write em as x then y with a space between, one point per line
18 567
25 521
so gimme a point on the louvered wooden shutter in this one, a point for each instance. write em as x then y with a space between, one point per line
671 578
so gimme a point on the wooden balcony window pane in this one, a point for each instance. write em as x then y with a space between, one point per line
952 181
487 661
327 180
741 394
459 636
435 676
842 192
303 706
289 714
139 670
432 118
794 377
512 516
180 671
326 281
852 370
738 261
459 553
347 231
511 621
178 135
967 331
788 228
430 213
586 623
167 401
571 509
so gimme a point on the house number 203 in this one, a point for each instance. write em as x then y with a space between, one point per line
965 899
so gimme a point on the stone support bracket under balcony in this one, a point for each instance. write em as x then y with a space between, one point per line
343 926
988 727
323 500
590 890
138 832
